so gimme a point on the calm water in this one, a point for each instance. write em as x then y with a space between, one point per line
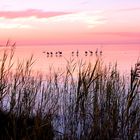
124 55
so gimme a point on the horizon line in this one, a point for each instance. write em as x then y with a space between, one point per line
96 43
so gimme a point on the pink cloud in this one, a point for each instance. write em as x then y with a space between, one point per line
29 13
129 9
127 34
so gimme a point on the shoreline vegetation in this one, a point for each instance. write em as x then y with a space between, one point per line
99 104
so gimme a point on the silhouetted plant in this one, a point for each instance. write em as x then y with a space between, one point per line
83 102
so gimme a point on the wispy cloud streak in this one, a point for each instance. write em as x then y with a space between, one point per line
129 9
30 13
123 34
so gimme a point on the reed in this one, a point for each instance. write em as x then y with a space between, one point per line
97 103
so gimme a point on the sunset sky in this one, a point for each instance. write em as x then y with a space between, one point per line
37 22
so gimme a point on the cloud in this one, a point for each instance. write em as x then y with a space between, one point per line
91 19
85 2
30 13
13 25
37 19
129 9
122 34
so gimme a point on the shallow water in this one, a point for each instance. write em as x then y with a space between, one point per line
125 55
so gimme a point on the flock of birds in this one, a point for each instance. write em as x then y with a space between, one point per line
73 53
59 53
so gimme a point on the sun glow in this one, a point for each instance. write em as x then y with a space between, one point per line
85 24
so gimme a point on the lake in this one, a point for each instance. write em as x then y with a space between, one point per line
125 55
73 103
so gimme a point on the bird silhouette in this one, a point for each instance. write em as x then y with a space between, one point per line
77 53
86 53
101 52
91 52
72 53
96 52
51 54
60 53
47 54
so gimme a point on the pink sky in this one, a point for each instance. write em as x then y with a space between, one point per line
52 22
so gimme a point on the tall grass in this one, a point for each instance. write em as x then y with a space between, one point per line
97 103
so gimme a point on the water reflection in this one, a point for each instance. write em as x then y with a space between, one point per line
46 56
